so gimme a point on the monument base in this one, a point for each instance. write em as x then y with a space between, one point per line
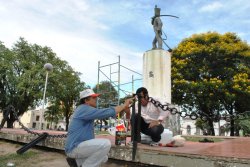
157 73
157 80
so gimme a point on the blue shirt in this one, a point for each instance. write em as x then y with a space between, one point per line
81 127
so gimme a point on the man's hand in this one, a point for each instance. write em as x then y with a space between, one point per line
127 103
154 123
125 106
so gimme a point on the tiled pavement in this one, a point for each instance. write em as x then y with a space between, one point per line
237 147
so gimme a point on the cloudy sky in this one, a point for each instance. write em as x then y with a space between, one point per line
83 32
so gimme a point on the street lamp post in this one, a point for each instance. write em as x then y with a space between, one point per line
48 67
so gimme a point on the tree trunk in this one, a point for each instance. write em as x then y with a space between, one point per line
232 127
211 127
67 122
10 120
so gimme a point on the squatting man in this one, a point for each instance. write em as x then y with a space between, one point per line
81 143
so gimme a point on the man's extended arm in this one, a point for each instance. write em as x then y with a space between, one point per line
125 106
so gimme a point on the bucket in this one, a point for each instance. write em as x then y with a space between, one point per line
166 137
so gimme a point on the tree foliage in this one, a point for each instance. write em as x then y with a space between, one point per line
203 125
53 114
245 126
5 68
22 78
109 95
64 88
210 74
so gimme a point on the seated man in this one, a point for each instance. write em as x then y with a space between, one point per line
151 117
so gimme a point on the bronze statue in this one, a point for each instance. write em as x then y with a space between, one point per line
157 25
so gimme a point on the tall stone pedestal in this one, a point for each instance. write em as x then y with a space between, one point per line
157 74
157 80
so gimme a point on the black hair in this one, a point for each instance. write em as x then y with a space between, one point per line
143 90
83 100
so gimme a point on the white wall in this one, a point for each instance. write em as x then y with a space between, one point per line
195 131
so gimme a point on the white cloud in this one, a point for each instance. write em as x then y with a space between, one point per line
84 32
214 6
81 44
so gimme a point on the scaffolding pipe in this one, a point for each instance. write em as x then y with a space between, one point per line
119 80
131 70
132 83
97 87
116 84
109 64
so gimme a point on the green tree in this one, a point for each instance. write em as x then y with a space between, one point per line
5 57
53 113
109 95
207 75
5 68
23 77
203 125
64 88
245 126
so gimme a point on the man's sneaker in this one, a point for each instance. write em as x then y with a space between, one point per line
146 142
71 162
154 143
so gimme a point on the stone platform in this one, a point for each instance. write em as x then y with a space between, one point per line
232 152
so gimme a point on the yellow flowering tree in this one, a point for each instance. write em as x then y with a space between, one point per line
210 75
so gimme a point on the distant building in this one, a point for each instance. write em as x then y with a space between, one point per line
32 119
188 128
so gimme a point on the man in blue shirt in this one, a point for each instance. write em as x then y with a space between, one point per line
81 143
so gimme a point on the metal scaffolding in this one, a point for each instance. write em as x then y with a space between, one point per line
116 81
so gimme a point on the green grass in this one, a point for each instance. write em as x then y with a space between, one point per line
16 158
197 139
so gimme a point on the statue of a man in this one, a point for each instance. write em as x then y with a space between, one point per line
157 25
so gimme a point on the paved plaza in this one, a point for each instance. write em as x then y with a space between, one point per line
230 149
